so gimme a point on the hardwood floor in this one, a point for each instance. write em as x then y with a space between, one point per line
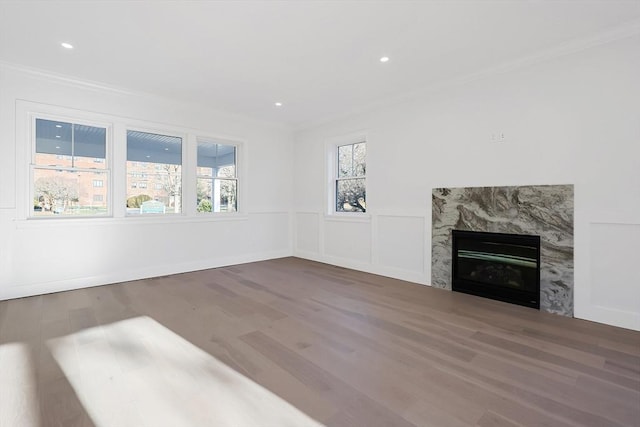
290 342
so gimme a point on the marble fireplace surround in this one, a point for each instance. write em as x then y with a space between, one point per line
544 210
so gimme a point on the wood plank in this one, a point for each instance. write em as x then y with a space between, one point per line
344 347
352 402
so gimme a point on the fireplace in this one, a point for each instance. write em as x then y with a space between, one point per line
499 266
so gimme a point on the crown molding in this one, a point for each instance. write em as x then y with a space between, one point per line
80 83
570 47
69 80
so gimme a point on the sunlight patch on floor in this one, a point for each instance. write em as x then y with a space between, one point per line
136 372
18 388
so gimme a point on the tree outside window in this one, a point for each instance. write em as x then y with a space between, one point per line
69 162
350 183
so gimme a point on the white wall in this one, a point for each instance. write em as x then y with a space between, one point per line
38 256
569 120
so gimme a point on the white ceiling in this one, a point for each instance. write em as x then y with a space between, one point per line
319 58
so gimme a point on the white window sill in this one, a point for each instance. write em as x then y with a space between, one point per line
348 217
138 219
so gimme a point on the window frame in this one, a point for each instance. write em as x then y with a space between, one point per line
107 171
115 163
162 131
332 174
239 148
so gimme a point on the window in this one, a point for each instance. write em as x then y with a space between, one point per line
163 155
350 178
68 168
217 181
63 168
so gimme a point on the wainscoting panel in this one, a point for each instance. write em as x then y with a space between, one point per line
74 254
269 230
308 232
390 244
615 274
400 242
348 239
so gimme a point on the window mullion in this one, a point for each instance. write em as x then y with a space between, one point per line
73 157
70 169
353 148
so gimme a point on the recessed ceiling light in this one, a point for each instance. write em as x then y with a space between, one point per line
57 136
66 45
166 149
384 59
148 157
278 104
58 126
58 147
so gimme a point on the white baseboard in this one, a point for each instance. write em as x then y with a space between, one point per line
396 273
26 290
609 316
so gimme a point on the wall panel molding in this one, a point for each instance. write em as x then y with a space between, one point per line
377 257
613 270
400 242
307 232
25 290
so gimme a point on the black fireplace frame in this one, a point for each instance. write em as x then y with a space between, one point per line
487 290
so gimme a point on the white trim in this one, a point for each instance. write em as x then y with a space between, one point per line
616 221
40 288
610 316
42 222
348 138
75 82
367 267
163 131
395 213
348 217
331 165
265 212
372 265
240 160
117 127
87 120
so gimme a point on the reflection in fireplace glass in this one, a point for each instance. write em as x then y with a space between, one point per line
499 264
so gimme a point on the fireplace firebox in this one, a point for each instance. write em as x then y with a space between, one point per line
499 266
